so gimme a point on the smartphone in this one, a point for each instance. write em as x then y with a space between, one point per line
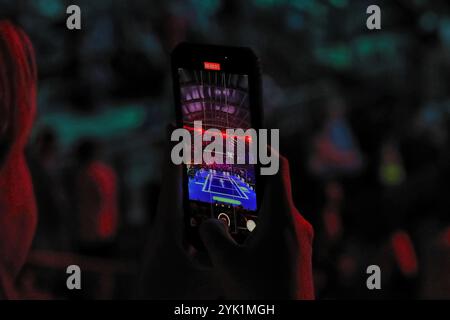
221 87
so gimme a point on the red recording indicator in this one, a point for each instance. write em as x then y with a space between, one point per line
212 66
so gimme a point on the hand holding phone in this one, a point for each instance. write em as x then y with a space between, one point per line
204 243
275 263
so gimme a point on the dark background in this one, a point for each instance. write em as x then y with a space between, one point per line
363 117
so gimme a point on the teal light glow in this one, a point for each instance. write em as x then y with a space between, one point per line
108 124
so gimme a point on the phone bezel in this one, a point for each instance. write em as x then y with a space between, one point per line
237 60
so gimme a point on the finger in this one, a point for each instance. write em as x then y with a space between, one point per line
220 246
277 202
283 178
304 233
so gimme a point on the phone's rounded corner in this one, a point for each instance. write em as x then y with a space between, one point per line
179 50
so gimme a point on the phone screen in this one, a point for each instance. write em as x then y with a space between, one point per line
224 191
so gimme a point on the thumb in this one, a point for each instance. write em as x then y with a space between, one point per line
218 242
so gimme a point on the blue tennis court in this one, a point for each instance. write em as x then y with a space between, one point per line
223 187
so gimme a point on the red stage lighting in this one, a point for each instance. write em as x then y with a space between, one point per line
211 66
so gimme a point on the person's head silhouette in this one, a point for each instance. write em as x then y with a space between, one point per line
18 214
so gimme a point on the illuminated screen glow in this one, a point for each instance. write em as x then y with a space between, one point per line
220 100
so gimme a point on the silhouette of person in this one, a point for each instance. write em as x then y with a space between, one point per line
18 214
96 197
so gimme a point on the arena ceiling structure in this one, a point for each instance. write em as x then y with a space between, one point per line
218 99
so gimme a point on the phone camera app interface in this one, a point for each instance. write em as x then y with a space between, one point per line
225 190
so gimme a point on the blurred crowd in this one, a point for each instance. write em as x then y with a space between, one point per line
364 119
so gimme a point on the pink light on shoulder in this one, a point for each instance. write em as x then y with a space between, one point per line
404 253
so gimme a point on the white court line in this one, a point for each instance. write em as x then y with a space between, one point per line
242 195
221 186
239 196
210 181
211 176
227 194
216 186
205 183
237 187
